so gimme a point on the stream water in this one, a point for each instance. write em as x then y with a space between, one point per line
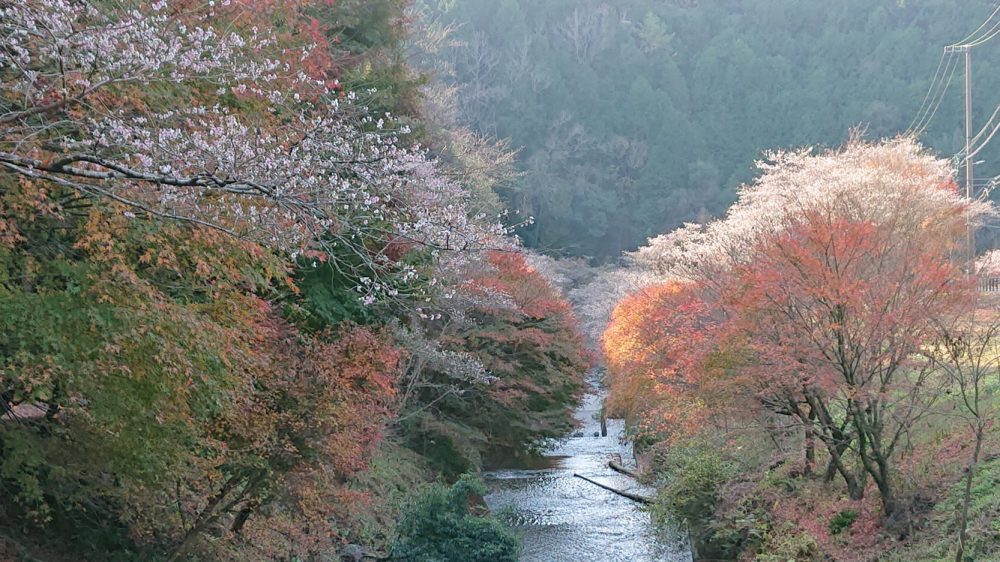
562 518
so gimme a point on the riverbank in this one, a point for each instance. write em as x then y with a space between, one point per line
740 505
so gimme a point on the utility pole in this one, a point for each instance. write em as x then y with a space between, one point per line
970 176
932 101
969 171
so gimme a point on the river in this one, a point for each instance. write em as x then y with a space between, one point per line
562 518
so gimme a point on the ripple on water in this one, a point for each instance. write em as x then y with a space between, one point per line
563 518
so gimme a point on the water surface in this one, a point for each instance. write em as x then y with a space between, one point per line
563 518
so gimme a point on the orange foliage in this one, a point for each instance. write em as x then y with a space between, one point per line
650 345
318 421
836 307
525 335
301 32
513 277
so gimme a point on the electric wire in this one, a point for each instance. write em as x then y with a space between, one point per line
980 28
937 97
991 125
993 133
934 81
990 35
925 123
935 93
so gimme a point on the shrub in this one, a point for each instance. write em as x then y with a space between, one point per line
784 544
842 521
439 527
694 475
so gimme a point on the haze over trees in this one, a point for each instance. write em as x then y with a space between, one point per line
636 116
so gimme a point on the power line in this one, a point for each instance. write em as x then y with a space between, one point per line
941 81
988 124
980 28
966 47
993 133
934 82
992 33
993 128
931 112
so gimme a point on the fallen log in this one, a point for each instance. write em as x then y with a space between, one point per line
634 497
617 467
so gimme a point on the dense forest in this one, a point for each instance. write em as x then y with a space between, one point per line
635 116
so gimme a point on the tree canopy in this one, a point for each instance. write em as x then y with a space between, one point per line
637 116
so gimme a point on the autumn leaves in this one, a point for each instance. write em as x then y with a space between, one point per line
225 280
810 304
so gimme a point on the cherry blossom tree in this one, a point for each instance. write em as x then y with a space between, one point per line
308 169
595 301
862 181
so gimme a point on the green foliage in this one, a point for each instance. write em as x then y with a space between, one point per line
394 473
693 476
142 374
373 32
119 332
164 386
447 440
939 537
842 521
439 526
328 297
534 352
786 544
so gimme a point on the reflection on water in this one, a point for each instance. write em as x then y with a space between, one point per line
563 518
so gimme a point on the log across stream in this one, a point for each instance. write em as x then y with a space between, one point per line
646 500
570 505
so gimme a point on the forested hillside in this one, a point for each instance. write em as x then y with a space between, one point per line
250 307
637 115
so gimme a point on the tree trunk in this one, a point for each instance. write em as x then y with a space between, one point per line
837 442
963 521
810 443
885 489
215 509
855 488
205 518
242 517
873 459
617 467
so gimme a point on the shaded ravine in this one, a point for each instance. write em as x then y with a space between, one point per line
564 518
